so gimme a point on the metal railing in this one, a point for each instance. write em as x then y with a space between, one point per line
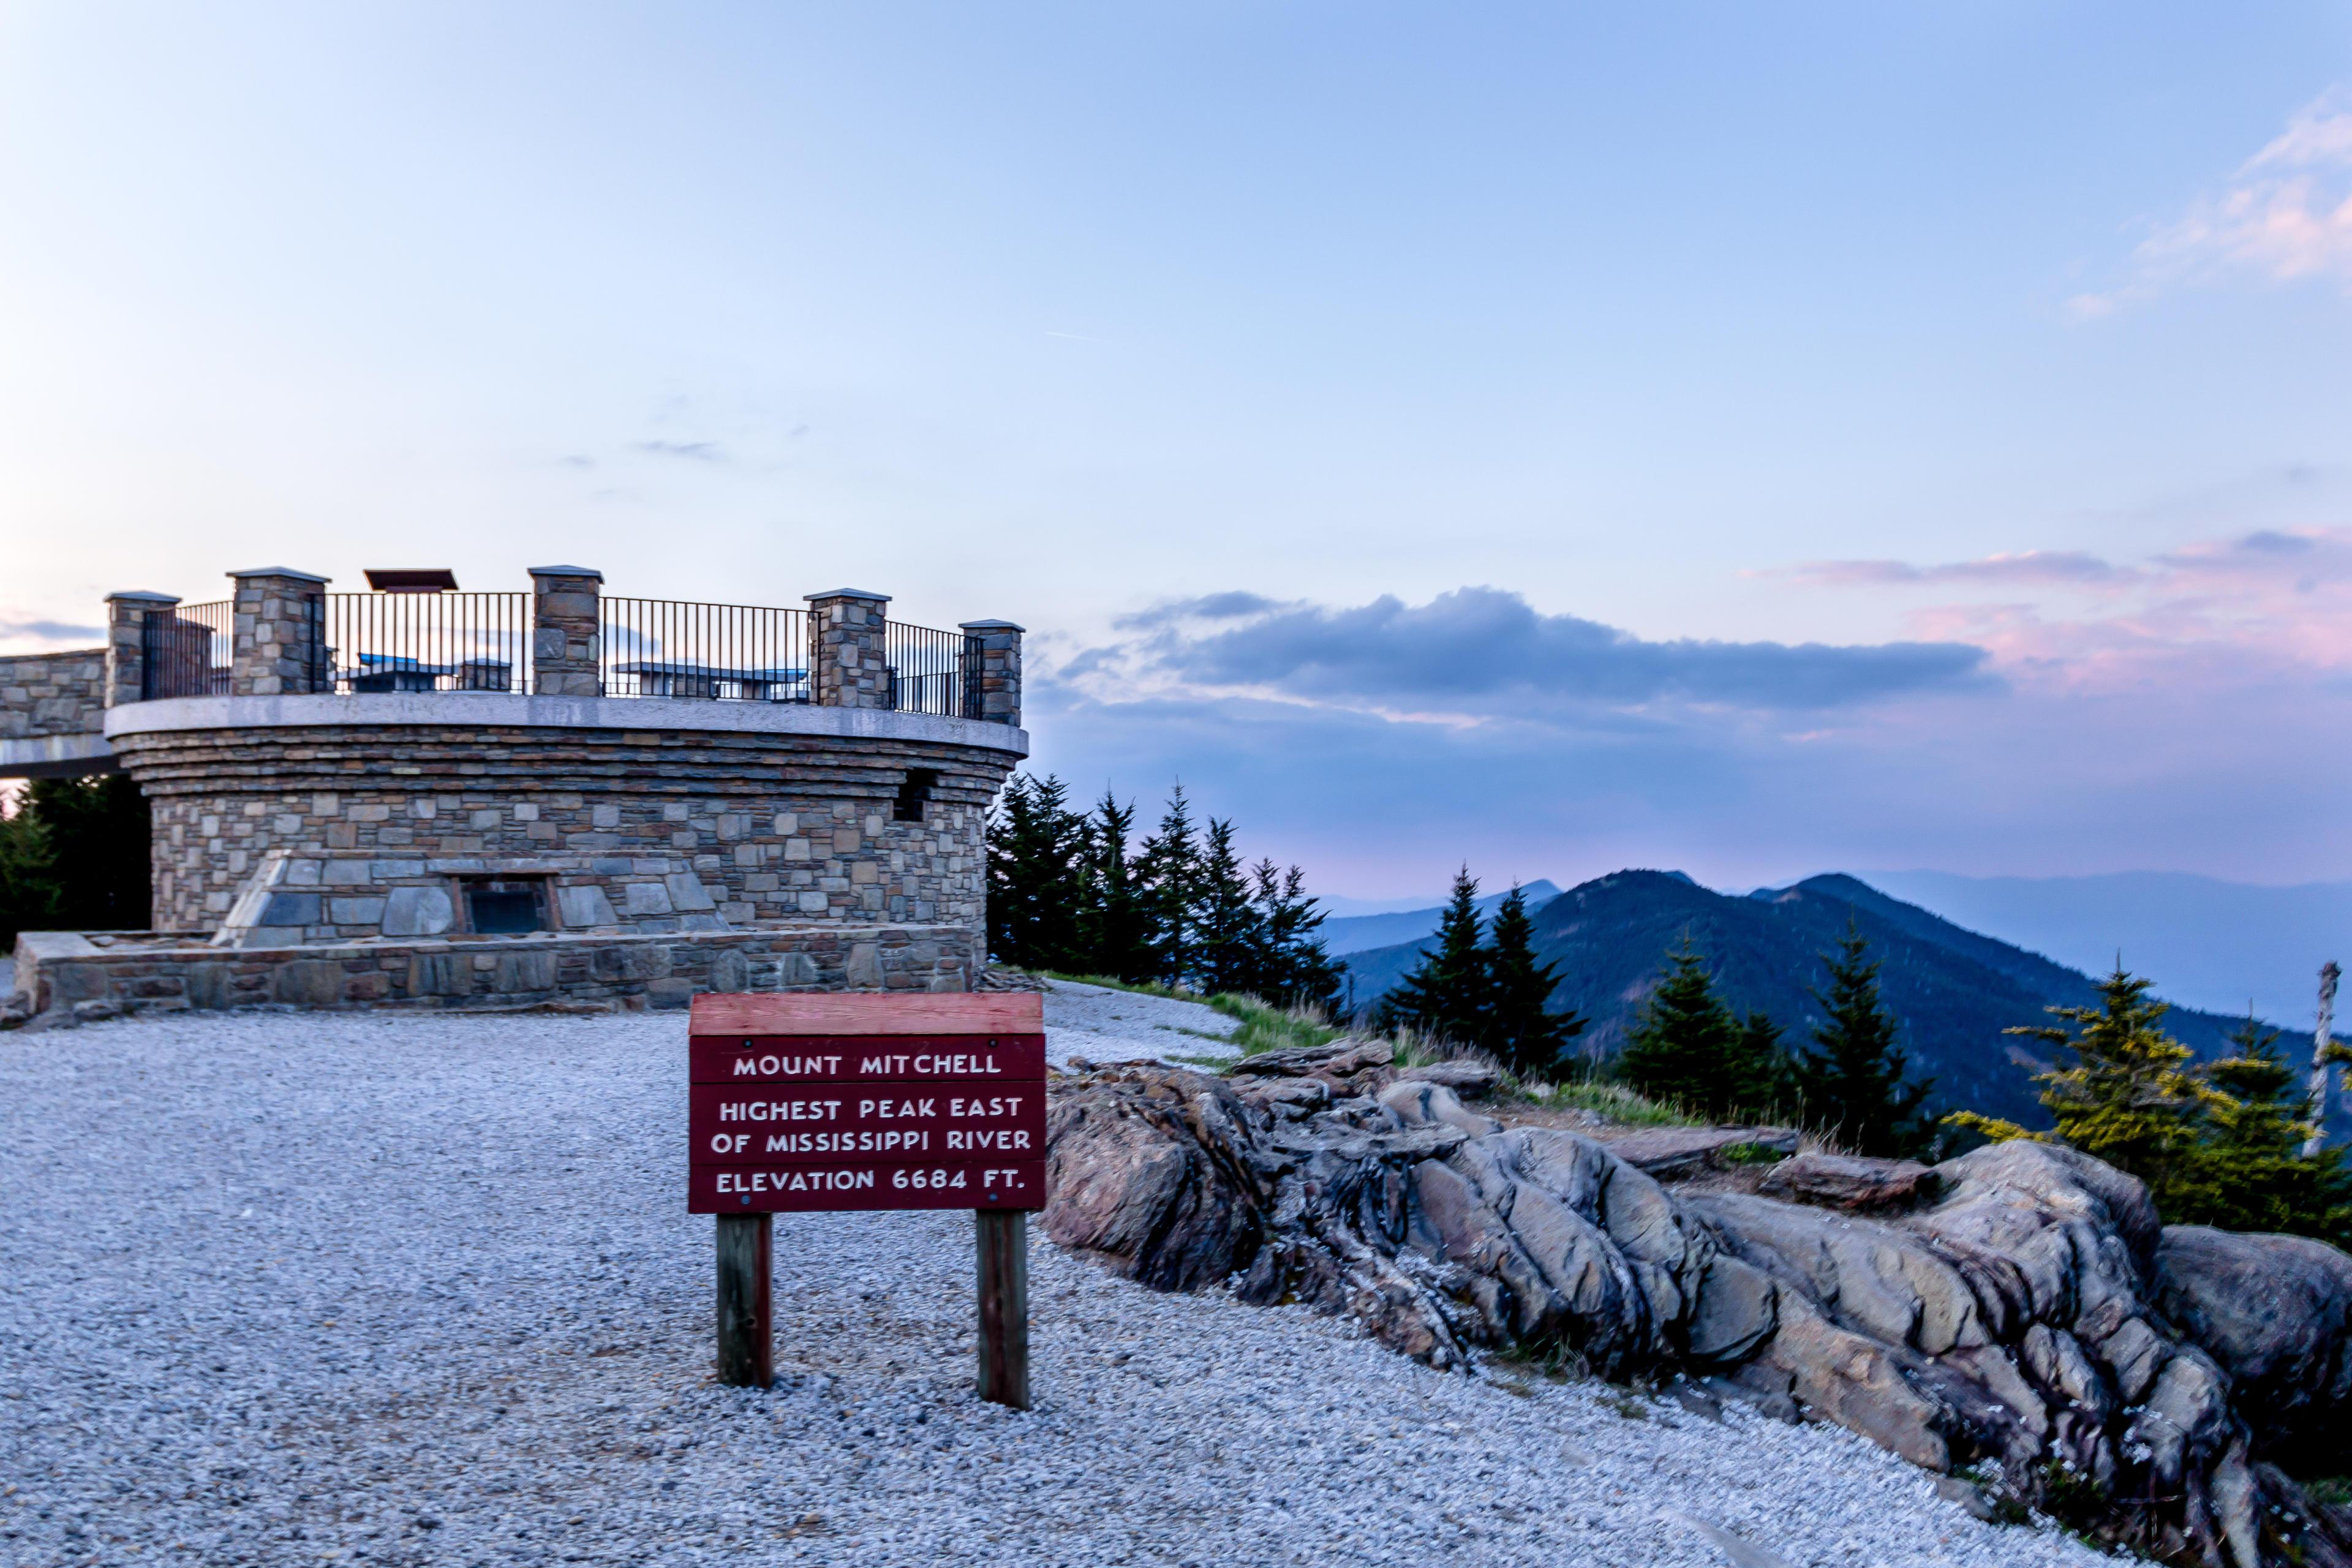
428 642
482 642
926 669
185 650
729 653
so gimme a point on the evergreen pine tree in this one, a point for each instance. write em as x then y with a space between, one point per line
1115 928
74 857
1522 1030
1293 969
1852 1084
1762 1078
1446 993
29 895
1229 946
99 839
1034 885
2255 1174
2131 1097
1689 1049
1170 871
1682 1038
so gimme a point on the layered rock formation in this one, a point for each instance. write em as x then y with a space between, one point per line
2015 1317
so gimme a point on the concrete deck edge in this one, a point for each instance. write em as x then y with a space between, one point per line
69 756
165 715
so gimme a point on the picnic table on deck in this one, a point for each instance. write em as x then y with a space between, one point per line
398 672
676 677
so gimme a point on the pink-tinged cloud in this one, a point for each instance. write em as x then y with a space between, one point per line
2318 137
2286 216
2032 566
2191 717
2256 607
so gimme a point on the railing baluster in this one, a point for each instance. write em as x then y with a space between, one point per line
927 668
481 642
674 649
428 642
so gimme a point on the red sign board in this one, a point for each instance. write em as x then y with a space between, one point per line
839 1058
808 1102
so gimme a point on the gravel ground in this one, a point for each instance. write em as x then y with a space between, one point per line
1106 1026
421 1291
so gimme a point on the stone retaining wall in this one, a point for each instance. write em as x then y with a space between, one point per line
65 977
293 901
52 693
780 828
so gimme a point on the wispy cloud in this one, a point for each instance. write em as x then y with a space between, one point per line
1230 606
2285 215
48 630
2241 608
697 451
2032 566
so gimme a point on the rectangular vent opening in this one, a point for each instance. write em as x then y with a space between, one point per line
504 906
916 789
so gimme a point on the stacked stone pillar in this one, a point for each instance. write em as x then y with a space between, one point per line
281 649
126 643
567 631
849 659
991 672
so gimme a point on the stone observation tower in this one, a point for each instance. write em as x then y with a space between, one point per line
421 796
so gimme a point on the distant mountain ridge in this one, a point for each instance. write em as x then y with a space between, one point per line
2213 945
1953 989
1357 933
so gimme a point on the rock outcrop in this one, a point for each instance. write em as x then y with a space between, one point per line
1845 1181
2015 1315
2275 1312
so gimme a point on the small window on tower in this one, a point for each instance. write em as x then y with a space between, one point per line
504 906
913 793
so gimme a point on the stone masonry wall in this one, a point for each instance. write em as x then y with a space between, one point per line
992 675
567 627
780 828
280 643
65 976
52 693
849 653
295 900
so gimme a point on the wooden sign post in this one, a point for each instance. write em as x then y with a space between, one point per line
806 1103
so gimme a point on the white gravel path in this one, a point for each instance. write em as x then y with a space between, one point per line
293 1289
1105 1025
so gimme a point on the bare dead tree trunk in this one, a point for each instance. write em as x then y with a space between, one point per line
2323 1065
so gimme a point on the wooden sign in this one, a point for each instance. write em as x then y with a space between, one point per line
809 1102
806 1103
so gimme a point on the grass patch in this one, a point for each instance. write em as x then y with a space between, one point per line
1551 1358
2330 1491
2073 1497
1611 1102
1265 1028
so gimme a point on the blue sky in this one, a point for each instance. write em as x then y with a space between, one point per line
1754 440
